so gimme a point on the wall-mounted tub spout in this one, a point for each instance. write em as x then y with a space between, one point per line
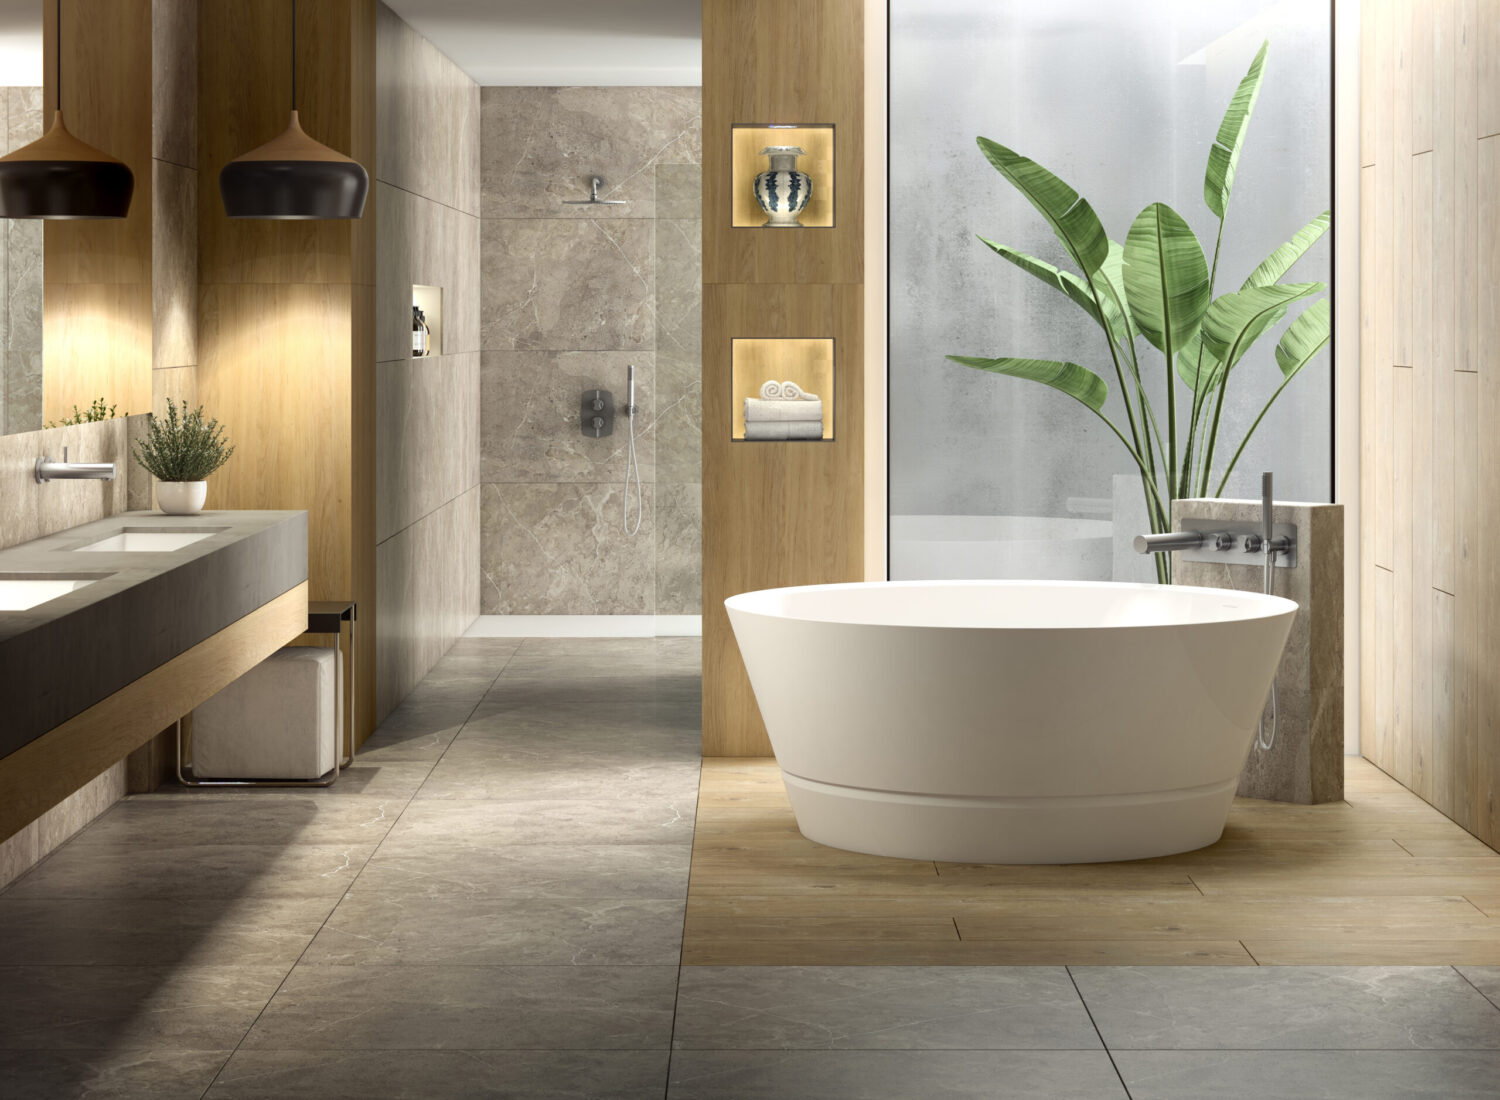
47 470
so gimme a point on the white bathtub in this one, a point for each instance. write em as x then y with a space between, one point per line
1010 721
983 547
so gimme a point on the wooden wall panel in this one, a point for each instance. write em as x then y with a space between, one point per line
778 513
1430 401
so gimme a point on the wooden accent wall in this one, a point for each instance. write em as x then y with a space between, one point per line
1430 401
96 327
286 308
778 513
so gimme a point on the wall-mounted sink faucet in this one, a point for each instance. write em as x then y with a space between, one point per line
47 470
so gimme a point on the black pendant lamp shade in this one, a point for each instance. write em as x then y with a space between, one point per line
58 176
292 176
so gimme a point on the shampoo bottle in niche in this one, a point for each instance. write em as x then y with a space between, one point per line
421 335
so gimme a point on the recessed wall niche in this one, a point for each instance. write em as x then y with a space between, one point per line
429 299
747 161
774 415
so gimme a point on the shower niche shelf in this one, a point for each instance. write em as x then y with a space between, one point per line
806 363
429 299
747 162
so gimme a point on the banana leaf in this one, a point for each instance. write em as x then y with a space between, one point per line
1303 339
1197 367
1234 321
1065 281
1077 382
1071 217
1224 156
1110 280
1166 277
1277 263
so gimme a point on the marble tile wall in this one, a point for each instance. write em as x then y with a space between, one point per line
20 281
426 200
571 296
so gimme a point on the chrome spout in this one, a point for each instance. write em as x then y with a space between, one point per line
47 470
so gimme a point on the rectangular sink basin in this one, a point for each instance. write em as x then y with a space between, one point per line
22 591
132 540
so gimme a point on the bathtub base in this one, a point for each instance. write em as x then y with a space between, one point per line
960 829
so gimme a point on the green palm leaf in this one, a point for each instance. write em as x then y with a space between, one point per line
1224 157
1071 217
1077 382
1277 263
1235 321
1112 293
1196 366
1303 339
1166 277
1065 281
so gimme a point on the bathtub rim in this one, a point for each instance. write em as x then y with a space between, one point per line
1267 607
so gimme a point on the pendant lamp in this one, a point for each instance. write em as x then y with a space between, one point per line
58 176
292 176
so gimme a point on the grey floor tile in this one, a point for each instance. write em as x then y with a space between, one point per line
417 730
1485 978
132 1007
454 868
1310 1075
159 932
594 779
376 928
893 1075
195 871
281 819
469 1008
443 1075
375 777
548 821
498 649
548 737
1287 1007
108 1074
880 1007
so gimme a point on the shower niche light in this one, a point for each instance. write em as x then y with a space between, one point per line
782 390
782 176
427 312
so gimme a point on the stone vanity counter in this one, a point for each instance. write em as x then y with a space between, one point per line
61 657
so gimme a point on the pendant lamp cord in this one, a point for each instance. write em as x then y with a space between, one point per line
58 44
294 53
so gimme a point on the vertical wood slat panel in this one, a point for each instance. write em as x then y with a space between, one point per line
1442 275
1441 670
1367 447
1400 750
1488 273
1385 671
1423 15
1467 594
1380 103
1367 83
1401 197
1421 510
1466 181
1487 73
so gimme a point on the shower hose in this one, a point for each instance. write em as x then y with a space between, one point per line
632 470
1266 743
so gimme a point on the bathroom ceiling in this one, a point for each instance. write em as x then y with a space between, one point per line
556 42
21 42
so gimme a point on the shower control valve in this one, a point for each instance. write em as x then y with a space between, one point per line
596 413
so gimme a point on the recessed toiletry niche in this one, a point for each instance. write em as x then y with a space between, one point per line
782 176
782 390
427 321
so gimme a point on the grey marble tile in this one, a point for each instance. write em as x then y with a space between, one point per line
517 739
498 649
582 284
174 265
469 1008
880 1008
1486 979
375 929
531 429
159 932
679 191
1287 1008
122 1007
288 817
893 1075
539 147
488 824
442 1075
516 707
109 1074
1310 1075
677 432
454 868
196 871
393 781
422 241
479 774
559 549
427 427
417 730
590 657
679 287
174 81
679 549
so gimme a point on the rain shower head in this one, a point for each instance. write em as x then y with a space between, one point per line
594 199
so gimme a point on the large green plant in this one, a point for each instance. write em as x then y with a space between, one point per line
1159 286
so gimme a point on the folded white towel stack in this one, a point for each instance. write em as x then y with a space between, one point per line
783 429
757 409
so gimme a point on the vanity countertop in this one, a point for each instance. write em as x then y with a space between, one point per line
140 609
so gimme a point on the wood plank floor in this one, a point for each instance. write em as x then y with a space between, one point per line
1381 878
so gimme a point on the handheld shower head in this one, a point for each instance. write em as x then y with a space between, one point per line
630 390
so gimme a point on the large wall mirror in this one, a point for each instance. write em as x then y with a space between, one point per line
21 118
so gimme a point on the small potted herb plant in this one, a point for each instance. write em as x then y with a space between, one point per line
180 452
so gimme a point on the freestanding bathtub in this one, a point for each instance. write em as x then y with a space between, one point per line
1011 721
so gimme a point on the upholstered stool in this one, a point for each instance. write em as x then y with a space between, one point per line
280 720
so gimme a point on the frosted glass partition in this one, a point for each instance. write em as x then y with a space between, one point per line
995 476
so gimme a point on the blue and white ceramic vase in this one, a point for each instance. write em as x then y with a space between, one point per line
782 191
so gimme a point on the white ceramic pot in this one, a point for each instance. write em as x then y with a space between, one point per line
783 191
181 498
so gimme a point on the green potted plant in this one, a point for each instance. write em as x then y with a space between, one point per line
1159 286
180 452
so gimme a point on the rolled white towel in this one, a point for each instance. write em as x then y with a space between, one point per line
756 409
762 430
790 391
770 391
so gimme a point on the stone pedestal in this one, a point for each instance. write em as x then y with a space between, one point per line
1307 762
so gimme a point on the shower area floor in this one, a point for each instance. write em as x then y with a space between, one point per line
1380 878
